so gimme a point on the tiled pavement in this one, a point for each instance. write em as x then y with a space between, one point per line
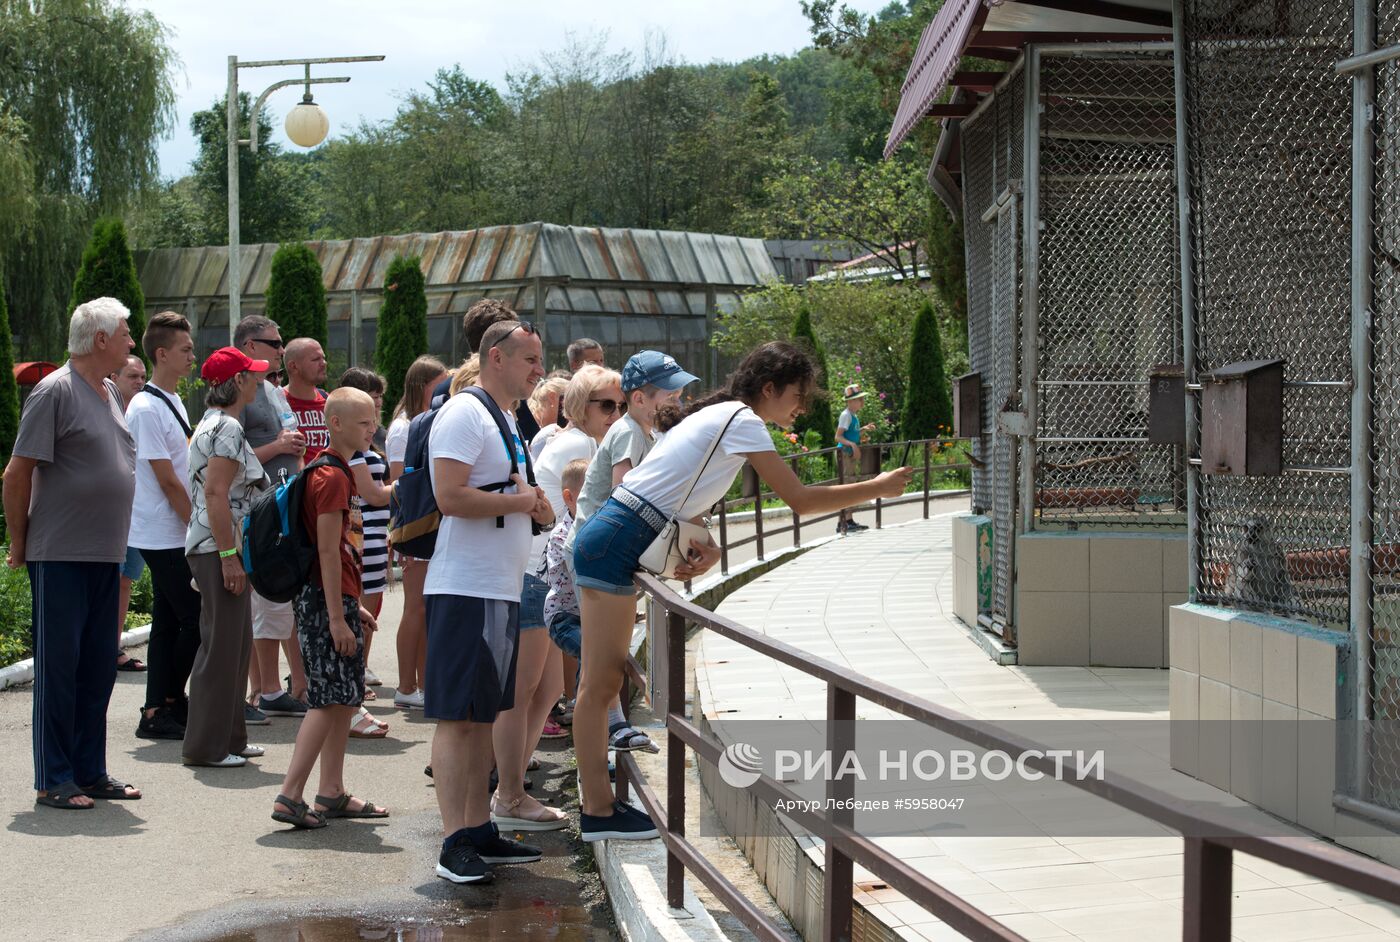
881 603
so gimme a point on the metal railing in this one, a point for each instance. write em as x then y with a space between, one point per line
1209 840
919 451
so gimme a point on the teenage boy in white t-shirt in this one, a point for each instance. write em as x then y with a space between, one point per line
473 595
160 513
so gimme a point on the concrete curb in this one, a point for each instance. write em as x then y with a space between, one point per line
22 672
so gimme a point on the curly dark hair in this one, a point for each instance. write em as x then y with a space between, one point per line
778 362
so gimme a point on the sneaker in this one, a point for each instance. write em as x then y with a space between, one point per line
853 526
408 701
161 725
624 824
284 704
227 762
503 850
460 863
252 716
372 679
251 751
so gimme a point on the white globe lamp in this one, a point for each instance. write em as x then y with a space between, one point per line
307 124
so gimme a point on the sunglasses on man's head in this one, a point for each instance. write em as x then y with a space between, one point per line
526 326
609 406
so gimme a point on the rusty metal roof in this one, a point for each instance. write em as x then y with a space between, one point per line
657 272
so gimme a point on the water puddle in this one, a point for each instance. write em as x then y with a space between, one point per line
541 922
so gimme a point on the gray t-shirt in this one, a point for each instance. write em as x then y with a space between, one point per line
625 441
80 509
262 424
218 436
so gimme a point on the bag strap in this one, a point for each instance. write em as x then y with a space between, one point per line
499 417
700 471
184 426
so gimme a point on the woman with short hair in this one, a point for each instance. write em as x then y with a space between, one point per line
225 475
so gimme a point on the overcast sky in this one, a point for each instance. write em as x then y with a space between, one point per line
489 39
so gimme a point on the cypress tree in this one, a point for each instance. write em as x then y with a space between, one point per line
403 326
928 407
296 296
108 271
818 416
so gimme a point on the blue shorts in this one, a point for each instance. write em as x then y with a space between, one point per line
566 631
606 550
134 565
471 657
532 603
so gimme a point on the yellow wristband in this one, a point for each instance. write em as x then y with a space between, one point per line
225 554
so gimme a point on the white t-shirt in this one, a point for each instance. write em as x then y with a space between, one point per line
663 477
625 441
542 438
396 444
159 437
570 444
475 557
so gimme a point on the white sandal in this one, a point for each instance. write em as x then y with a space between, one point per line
545 819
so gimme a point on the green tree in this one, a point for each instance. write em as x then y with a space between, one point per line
403 326
818 416
89 85
274 191
108 271
928 408
296 295
9 391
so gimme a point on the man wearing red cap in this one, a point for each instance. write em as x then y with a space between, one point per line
68 491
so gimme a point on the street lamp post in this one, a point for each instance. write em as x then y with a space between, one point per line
306 126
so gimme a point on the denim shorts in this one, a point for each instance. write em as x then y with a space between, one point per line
606 550
566 631
135 564
532 603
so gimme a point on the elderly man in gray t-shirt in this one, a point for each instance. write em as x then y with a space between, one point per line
68 492
268 425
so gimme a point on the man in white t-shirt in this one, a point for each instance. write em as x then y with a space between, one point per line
472 592
159 515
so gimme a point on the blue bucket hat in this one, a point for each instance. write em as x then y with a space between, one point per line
657 369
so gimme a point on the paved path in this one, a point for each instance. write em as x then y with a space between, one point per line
199 858
880 603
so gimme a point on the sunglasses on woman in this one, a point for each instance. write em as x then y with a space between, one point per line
609 406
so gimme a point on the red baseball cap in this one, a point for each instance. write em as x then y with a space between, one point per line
227 362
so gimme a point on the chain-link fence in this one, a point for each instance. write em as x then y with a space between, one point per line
993 158
1109 308
1269 160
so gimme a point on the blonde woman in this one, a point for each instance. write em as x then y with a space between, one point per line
546 405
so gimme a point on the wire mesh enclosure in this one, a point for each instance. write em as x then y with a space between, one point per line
994 154
1109 286
1269 162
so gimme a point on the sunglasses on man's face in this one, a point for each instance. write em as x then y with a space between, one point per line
526 326
609 406
274 344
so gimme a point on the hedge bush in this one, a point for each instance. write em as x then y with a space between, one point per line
108 271
928 406
403 326
296 296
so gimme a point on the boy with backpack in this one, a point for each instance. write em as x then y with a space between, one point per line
330 621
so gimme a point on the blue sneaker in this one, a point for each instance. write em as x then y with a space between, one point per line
624 824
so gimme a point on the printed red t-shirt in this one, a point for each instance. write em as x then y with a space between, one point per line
330 490
311 422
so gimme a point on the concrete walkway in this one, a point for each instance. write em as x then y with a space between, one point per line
199 858
881 603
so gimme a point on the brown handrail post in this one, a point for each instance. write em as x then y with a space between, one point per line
675 754
837 879
927 448
1205 915
758 519
621 782
879 503
723 537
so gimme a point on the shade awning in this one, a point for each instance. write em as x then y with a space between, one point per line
936 58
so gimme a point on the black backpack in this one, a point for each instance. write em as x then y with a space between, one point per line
277 550
414 517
